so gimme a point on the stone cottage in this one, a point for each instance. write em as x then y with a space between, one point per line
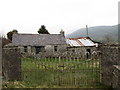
40 44
46 45
82 47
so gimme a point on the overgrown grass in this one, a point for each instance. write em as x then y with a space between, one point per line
56 72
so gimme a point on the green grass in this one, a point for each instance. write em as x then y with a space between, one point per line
50 73
62 72
52 63
22 84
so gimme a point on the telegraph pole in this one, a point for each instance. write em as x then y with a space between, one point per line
87 30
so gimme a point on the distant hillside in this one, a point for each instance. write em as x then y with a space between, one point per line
98 33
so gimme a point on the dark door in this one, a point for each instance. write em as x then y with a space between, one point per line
38 49
88 53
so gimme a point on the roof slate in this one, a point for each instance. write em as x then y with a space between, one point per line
38 39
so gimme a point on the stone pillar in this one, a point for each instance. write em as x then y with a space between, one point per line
116 77
11 63
0 63
109 58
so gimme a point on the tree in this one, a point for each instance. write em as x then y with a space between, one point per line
10 34
43 30
5 41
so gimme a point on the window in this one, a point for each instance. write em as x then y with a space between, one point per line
25 48
89 51
73 50
55 48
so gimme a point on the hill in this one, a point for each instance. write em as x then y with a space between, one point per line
98 33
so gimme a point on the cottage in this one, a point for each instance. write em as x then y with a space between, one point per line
82 47
54 45
40 44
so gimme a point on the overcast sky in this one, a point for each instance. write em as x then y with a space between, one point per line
28 15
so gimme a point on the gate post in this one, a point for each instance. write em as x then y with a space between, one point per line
109 58
11 63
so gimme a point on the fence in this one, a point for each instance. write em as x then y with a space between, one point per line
61 71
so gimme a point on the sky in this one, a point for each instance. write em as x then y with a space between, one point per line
27 16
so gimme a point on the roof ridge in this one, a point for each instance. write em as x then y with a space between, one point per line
35 34
78 38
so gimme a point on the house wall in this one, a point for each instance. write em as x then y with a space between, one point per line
30 50
21 49
49 50
33 50
62 50
81 52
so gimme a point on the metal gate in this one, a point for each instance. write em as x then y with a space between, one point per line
61 71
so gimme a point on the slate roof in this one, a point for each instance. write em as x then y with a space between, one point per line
37 39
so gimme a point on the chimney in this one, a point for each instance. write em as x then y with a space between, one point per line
62 33
15 31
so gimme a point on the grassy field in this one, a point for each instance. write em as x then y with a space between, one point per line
58 73
55 71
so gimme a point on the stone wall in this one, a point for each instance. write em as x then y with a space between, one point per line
81 52
29 49
116 77
47 51
0 63
108 59
50 51
11 63
63 51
